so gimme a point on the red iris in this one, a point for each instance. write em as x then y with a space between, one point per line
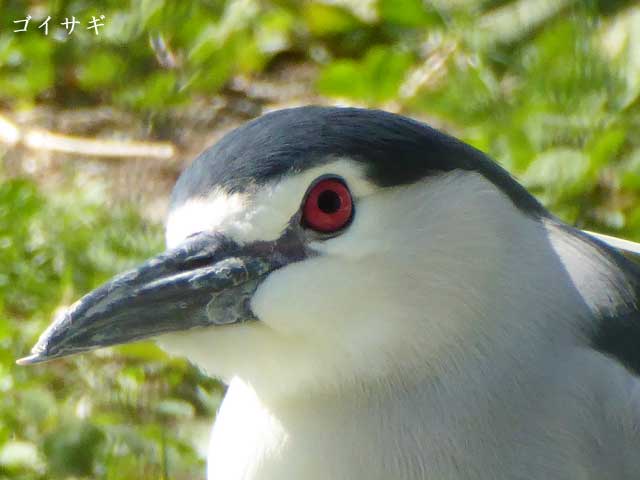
328 206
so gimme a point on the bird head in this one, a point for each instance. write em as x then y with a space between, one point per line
318 245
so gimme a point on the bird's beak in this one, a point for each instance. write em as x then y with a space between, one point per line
208 280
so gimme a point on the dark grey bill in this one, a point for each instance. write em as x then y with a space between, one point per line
208 280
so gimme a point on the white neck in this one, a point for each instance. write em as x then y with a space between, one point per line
444 422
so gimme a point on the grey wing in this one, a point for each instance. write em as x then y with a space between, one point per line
627 247
618 333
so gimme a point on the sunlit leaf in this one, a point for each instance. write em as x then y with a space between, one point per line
324 19
376 78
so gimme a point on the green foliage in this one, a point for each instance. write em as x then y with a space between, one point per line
71 450
74 418
404 13
374 79
325 20
201 44
533 83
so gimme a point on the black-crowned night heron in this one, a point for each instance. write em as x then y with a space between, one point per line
385 302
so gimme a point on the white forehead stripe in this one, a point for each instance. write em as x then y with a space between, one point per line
260 215
202 214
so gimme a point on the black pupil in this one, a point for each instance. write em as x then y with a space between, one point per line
329 201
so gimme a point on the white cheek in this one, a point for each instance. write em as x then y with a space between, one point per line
404 265
337 302
306 296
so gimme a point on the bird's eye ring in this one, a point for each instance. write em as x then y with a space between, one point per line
328 206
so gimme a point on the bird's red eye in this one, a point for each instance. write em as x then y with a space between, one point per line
328 206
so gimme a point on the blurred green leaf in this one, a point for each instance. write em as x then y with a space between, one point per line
101 70
324 19
559 170
71 450
605 147
175 408
17 455
407 13
376 78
